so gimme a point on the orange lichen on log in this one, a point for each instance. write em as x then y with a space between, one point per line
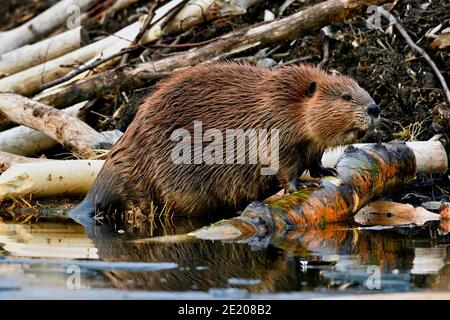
363 173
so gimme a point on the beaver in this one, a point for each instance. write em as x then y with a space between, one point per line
309 109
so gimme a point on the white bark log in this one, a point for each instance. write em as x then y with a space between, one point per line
25 179
8 159
431 156
49 178
72 133
29 81
64 11
193 13
24 141
43 51
199 11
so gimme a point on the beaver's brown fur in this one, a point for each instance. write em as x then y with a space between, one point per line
311 109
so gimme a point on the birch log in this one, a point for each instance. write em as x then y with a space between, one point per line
198 11
43 24
431 156
24 141
286 29
8 159
72 133
37 184
43 51
192 14
29 81
49 178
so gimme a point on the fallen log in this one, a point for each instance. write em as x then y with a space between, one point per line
431 156
29 81
196 11
328 158
24 141
118 79
41 25
43 51
176 17
9 159
363 173
72 133
286 29
49 178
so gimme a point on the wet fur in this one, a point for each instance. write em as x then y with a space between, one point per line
224 96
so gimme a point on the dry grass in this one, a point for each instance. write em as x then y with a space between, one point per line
411 132
22 210
148 219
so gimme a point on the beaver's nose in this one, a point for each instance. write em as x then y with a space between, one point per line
374 110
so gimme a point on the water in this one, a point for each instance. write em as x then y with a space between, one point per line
59 260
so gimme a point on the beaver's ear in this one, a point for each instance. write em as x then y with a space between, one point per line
312 88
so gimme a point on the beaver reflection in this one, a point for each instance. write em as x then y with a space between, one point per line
279 267
202 264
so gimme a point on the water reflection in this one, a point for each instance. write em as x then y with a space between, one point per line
306 259
338 258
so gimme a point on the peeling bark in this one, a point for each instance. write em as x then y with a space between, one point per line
72 133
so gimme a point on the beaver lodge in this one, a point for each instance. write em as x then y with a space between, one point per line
118 173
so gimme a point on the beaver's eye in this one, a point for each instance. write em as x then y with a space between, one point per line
346 97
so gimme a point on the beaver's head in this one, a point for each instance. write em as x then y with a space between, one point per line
338 111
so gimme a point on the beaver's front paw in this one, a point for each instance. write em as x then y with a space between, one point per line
292 186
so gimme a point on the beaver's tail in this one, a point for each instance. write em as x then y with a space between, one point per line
83 213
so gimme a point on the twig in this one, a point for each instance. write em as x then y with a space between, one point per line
144 28
296 60
418 49
92 10
326 52
284 6
135 46
326 35
85 67
183 45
